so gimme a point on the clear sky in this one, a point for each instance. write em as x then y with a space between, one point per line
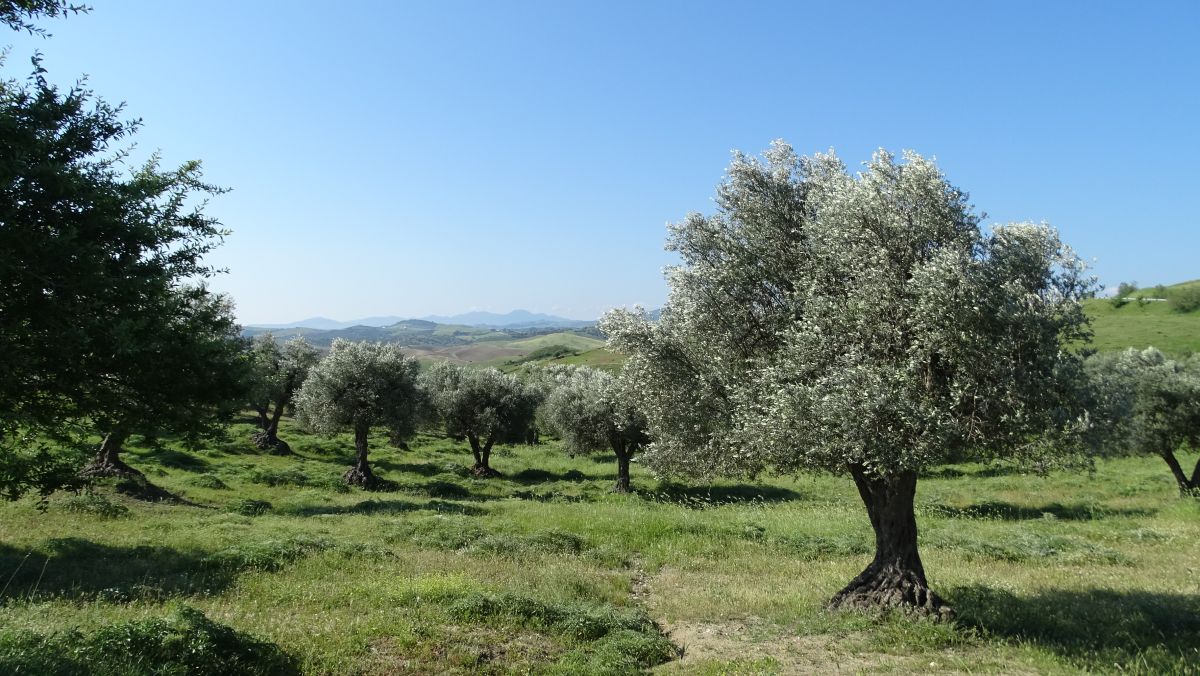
412 158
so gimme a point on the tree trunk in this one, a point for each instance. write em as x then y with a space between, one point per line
267 439
1196 477
1186 487
264 423
483 456
622 485
896 578
360 474
108 458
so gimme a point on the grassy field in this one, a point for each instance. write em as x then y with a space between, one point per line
1145 324
275 563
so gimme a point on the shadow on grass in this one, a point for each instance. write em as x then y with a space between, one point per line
1097 628
79 569
711 496
388 507
984 472
1008 511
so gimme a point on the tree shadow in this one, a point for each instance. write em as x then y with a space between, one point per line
537 476
169 457
700 497
985 472
79 569
1008 511
390 506
1100 629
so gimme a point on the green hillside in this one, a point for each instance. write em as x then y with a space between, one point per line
1144 323
572 340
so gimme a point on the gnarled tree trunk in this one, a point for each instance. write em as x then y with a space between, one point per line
108 458
896 578
623 457
360 474
483 456
267 438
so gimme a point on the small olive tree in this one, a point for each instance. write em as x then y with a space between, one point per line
588 410
484 406
277 372
858 323
1155 403
358 386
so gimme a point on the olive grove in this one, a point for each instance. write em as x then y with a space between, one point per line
861 324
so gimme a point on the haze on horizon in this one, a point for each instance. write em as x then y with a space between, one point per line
416 159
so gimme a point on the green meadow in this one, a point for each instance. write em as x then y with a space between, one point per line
268 564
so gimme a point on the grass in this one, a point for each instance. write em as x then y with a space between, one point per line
277 567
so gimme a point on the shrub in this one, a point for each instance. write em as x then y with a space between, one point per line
250 507
96 505
270 555
208 481
1186 299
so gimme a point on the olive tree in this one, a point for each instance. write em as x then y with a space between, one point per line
1157 405
860 324
358 386
589 411
484 406
277 372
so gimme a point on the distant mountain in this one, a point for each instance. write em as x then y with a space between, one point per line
322 323
517 319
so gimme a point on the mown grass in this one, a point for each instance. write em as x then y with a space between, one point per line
545 571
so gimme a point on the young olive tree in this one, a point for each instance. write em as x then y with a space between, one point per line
276 374
589 412
1158 405
860 324
358 386
484 406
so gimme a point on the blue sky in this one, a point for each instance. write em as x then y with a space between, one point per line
412 158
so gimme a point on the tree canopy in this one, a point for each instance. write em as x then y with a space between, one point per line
863 323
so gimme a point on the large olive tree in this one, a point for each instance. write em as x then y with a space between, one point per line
482 405
359 386
589 411
1155 402
858 323
277 372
